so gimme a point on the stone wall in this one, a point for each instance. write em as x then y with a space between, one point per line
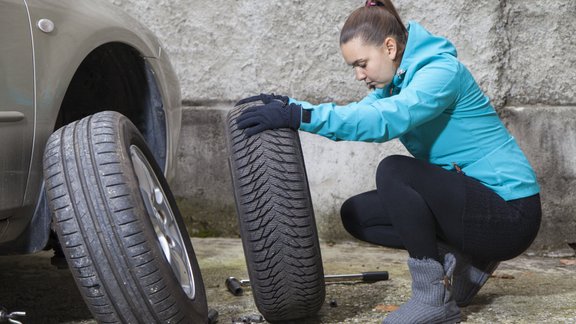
520 51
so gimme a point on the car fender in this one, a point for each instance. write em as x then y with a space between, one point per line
79 27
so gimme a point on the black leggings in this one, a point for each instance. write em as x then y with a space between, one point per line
417 204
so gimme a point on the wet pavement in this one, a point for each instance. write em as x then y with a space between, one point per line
527 289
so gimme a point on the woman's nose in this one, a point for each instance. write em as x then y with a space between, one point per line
359 73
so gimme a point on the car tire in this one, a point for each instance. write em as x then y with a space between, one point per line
119 226
276 219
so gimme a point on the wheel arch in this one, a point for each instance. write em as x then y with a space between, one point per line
116 77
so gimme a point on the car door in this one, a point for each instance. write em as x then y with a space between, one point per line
16 105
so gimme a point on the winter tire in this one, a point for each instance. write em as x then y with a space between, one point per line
276 221
119 226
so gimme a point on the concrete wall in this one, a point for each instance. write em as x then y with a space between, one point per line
520 51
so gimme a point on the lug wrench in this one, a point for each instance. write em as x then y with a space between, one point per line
234 285
6 316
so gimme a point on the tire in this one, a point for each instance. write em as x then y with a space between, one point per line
119 226
276 221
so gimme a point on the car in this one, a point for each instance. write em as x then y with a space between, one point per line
90 113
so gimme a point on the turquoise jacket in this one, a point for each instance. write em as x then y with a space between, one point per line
437 110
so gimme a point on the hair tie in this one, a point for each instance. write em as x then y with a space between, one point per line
370 3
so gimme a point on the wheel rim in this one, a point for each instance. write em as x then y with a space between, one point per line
163 221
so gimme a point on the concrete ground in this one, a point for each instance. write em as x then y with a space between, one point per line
527 289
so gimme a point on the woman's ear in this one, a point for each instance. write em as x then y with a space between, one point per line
391 47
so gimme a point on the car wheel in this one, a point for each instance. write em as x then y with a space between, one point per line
276 221
119 226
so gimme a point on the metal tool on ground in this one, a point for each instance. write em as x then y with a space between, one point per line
250 319
234 285
10 317
212 316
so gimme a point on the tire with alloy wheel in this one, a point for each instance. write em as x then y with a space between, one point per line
276 221
119 226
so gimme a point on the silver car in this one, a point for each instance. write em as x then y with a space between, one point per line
90 113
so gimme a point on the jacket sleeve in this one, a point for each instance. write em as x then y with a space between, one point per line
376 118
368 100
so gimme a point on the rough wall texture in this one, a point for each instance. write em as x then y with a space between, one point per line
542 64
520 52
549 140
292 47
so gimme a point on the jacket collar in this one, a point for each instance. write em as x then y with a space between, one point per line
420 47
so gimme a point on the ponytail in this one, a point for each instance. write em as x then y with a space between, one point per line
373 23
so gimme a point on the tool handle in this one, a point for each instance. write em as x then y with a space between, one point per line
374 276
364 277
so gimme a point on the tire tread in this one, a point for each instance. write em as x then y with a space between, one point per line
276 220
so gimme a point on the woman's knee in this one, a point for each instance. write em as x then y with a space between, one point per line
358 223
352 218
362 211
349 215
392 168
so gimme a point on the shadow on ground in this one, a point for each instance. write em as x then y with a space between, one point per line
48 295
522 290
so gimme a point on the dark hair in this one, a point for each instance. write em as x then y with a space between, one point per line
373 23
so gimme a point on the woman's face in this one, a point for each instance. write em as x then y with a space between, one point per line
372 64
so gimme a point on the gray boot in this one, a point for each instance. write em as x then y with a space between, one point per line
468 278
431 300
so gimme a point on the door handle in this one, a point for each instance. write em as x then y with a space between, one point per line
11 116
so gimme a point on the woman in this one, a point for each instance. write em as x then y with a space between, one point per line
466 200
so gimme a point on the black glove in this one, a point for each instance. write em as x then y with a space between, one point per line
269 116
265 98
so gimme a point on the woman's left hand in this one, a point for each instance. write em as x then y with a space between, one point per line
273 115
